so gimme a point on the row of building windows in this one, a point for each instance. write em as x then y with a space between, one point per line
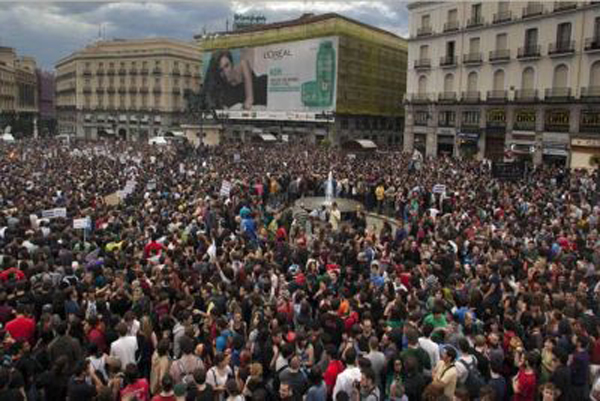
560 79
530 49
134 64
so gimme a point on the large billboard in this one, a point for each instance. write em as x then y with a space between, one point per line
285 81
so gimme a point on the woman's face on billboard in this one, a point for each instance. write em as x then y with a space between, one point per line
226 69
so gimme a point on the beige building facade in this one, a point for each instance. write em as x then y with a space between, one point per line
505 80
133 89
18 87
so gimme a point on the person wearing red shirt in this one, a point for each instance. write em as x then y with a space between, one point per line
525 382
134 386
95 335
22 328
334 368
6 274
152 247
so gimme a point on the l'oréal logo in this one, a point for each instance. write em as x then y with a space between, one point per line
277 54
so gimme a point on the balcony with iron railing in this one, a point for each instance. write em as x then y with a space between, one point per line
122 90
471 97
100 90
424 31
187 74
447 97
122 71
497 96
144 71
132 89
110 72
144 90
532 10
564 5
87 89
448 61
592 44
176 72
100 72
590 94
156 90
529 52
451 26
498 56
87 73
133 71
561 48
472 58
526 95
111 89
557 94
419 98
422 63
502 16
176 91
157 71
475 22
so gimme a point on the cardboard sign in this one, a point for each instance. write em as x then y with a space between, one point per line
82 224
151 186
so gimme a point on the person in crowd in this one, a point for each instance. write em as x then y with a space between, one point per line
199 256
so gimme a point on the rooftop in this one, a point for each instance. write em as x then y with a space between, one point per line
302 20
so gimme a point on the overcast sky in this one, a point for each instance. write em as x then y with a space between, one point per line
49 31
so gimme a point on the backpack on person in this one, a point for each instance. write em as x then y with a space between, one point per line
187 378
474 380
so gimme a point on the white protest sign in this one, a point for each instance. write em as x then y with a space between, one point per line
54 213
82 223
225 189
151 185
439 189
181 168
237 158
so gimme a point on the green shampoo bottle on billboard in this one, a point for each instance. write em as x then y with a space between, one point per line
325 73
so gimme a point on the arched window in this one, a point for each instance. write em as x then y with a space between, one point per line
449 83
527 81
422 84
472 82
499 80
561 75
595 74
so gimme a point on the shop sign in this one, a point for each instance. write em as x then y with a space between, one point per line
585 142
523 136
590 121
525 119
496 118
558 120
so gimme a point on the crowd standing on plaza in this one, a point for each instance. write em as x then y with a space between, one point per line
202 283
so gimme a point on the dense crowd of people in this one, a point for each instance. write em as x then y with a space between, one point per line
196 280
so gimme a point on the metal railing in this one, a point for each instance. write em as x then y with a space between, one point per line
564 5
447 61
472 58
529 51
475 22
531 10
451 26
447 97
561 47
557 93
471 96
502 16
497 96
500 55
423 63
424 31
526 95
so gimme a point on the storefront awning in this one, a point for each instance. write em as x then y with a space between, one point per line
109 131
123 118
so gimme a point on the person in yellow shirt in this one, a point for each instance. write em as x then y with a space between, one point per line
445 375
380 197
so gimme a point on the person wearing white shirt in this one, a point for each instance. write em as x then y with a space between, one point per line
125 347
346 381
429 346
